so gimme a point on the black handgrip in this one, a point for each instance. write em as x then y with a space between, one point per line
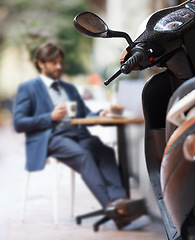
133 62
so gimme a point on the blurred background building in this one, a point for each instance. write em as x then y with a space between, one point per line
25 24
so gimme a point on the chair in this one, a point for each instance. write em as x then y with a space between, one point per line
55 176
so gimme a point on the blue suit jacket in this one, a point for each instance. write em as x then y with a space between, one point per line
32 115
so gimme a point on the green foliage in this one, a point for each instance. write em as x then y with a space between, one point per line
21 6
31 23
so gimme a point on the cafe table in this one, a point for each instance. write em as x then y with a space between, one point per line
120 123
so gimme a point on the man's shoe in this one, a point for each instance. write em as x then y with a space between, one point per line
117 207
127 208
122 222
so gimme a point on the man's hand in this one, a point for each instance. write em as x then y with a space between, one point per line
59 112
104 112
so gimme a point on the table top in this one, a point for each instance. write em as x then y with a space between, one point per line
108 120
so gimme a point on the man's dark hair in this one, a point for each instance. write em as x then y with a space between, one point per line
47 52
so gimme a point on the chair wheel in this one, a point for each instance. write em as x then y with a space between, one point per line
78 220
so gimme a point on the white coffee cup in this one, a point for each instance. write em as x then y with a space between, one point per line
71 108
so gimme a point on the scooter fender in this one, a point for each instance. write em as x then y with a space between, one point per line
178 176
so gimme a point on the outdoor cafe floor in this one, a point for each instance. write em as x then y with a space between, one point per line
38 224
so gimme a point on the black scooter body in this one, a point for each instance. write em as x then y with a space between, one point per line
156 96
156 100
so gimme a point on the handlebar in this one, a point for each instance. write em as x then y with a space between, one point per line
138 56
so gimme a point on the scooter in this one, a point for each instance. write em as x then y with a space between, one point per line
167 42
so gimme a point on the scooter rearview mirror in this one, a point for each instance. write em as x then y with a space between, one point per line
91 25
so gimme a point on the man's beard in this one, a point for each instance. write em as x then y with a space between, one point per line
53 75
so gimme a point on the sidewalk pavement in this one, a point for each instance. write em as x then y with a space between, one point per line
38 224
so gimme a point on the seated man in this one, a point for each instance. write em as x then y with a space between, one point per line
40 112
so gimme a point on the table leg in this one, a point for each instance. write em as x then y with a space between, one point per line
137 208
123 157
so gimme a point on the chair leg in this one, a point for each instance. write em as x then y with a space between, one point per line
55 177
25 191
72 191
55 170
54 165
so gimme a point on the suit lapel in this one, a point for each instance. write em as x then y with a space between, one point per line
44 95
67 90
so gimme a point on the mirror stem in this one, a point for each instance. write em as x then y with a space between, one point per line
112 33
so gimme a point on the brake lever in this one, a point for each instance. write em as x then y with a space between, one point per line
112 78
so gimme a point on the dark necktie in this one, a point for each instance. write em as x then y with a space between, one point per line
55 86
